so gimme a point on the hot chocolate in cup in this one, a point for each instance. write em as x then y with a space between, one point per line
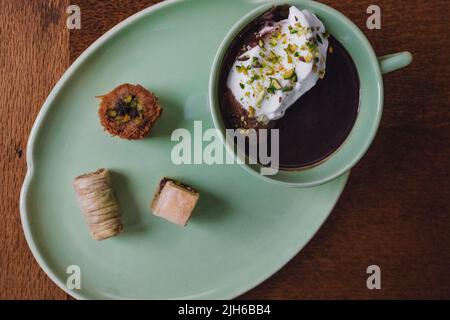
325 132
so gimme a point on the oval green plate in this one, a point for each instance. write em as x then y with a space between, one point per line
242 231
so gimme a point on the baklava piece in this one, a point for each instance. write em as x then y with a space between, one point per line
174 201
129 111
99 204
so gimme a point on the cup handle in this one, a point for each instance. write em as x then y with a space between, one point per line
394 61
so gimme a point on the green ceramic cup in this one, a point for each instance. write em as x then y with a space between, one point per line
370 68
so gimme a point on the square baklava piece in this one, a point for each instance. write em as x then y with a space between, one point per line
174 201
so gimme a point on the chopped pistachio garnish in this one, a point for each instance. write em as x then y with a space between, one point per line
251 112
292 47
289 74
273 42
308 58
273 57
126 109
274 83
267 70
127 98
312 45
270 71
242 69
256 63
260 98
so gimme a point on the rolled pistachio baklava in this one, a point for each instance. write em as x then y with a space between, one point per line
99 204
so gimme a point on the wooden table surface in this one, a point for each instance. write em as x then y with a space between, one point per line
394 212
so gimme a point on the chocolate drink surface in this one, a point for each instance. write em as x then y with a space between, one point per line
318 123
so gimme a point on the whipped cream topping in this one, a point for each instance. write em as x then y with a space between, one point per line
287 62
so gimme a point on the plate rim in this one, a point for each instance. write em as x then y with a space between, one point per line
36 252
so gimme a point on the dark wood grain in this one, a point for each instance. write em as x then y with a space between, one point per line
394 212
34 52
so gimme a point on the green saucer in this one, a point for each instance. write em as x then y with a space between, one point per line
242 230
